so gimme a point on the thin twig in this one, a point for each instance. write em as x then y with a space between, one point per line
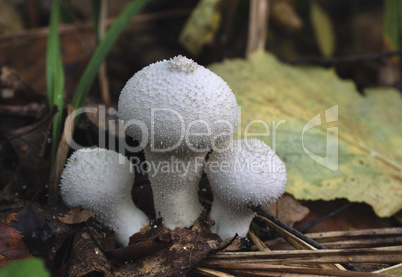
103 78
31 109
100 246
211 272
298 243
61 157
45 120
32 10
263 269
350 239
257 26
260 211
276 222
259 243
391 254
9 76
303 228
395 269
63 29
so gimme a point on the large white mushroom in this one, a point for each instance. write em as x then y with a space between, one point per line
178 110
245 171
95 179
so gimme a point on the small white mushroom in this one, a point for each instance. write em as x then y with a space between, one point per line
95 179
179 110
244 171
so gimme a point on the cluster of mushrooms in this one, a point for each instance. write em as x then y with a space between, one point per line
182 111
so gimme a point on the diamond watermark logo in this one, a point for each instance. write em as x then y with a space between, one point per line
330 160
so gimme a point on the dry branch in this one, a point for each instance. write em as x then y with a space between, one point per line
211 272
64 28
258 26
61 157
263 268
391 254
258 242
349 239
295 238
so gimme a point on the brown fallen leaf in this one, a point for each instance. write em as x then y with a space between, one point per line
11 245
32 43
141 244
288 210
29 143
232 246
189 247
284 15
358 216
76 215
16 90
42 232
86 257
11 217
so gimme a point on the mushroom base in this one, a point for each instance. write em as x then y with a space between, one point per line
228 221
174 182
127 221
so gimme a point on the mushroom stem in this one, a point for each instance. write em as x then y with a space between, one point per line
174 181
127 212
230 221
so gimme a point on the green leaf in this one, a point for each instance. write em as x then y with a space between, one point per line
102 50
392 26
96 7
201 27
32 267
53 51
364 133
323 29
55 75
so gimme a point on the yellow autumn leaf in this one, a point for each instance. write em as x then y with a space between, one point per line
334 142
323 29
201 27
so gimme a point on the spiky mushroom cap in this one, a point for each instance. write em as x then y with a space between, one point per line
244 171
101 180
185 104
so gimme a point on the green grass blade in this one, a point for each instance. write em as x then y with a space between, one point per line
102 50
55 75
96 6
392 23
53 50
58 101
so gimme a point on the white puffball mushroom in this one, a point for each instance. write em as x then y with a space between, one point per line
178 110
244 171
101 180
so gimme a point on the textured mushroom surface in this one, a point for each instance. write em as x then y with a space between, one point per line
175 191
101 180
178 110
244 171
177 98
